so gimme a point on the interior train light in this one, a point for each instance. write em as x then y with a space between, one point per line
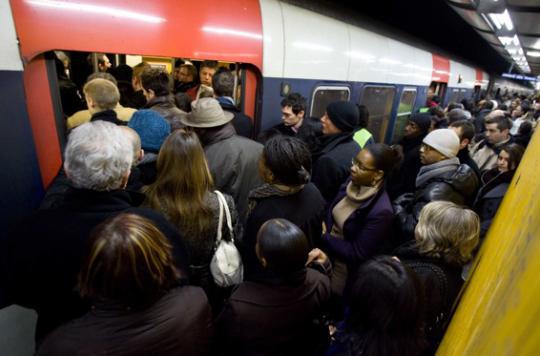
533 53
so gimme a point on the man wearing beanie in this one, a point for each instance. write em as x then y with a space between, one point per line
332 159
403 180
441 177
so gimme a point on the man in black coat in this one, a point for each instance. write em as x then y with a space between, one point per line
402 181
46 250
332 159
465 131
223 84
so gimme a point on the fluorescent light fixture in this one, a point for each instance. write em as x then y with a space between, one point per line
495 20
312 46
507 40
97 9
533 53
231 32
536 45
500 20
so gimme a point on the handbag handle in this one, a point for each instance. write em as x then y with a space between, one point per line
223 206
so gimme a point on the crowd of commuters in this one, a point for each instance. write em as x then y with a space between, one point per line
348 247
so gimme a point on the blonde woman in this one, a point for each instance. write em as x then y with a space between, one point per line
445 237
183 192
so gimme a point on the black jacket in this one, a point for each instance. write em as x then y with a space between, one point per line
465 158
332 163
490 196
304 208
241 122
310 132
179 323
109 116
441 283
164 105
403 180
457 186
47 248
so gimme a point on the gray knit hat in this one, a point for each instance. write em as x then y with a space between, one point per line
445 141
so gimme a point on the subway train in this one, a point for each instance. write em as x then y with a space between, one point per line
276 47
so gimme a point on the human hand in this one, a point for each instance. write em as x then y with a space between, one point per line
316 255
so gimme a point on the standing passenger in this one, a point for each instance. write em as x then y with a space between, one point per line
359 221
186 78
285 167
206 72
102 97
362 136
139 100
486 151
332 159
138 306
183 191
275 314
233 160
155 84
223 84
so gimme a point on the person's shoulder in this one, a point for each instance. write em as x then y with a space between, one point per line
79 118
124 113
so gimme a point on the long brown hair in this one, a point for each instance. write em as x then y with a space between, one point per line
183 180
127 260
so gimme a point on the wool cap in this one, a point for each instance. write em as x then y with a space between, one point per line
206 112
151 127
423 120
445 141
344 115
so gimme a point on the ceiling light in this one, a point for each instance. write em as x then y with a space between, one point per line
536 45
533 53
500 20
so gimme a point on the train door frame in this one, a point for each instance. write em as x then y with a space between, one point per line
439 88
391 113
327 86
390 133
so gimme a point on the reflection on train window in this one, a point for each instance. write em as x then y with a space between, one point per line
405 109
378 100
325 95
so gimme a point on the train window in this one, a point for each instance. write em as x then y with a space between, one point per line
324 95
378 101
405 108
455 97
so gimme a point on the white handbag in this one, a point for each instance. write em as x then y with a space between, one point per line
226 265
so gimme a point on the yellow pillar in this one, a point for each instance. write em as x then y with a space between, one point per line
499 313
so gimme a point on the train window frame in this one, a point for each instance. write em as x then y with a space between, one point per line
396 137
381 135
327 87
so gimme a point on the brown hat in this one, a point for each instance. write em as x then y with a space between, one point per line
206 112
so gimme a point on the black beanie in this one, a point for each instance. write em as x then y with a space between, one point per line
344 115
423 120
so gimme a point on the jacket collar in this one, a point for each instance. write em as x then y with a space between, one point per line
91 200
215 134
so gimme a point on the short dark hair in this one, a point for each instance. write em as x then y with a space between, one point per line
127 260
503 123
488 104
296 101
456 114
179 62
100 58
223 83
515 154
363 118
183 101
209 64
283 245
386 158
192 70
453 105
467 128
157 80
288 158
386 309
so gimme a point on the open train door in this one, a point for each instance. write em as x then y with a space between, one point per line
248 96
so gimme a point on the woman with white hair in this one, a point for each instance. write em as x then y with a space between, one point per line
47 248
445 237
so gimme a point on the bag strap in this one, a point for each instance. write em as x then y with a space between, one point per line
223 206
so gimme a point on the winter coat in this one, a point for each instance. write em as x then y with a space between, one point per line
47 249
164 105
465 158
366 232
234 163
179 323
304 208
274 316
83 116
457 186
241 122
310 132
403 180
485 154
332 163
441 283
490 195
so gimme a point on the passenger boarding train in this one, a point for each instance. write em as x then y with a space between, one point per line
278 47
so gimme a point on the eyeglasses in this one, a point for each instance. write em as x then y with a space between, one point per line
425 147
359 165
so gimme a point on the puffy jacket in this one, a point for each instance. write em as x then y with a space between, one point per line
457 186
164 106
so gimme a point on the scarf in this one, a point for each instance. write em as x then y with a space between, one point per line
435 170
270 190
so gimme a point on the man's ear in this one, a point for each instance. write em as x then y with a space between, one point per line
464 143
301 114
125 179
141 155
